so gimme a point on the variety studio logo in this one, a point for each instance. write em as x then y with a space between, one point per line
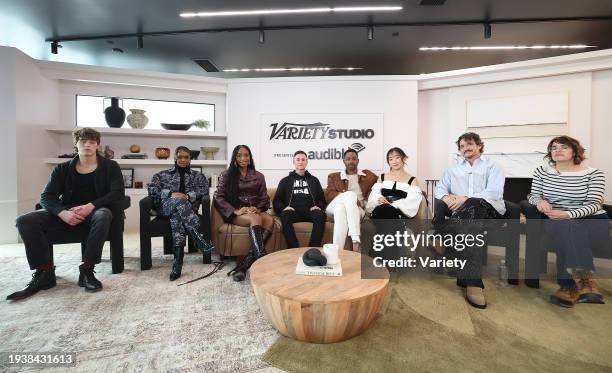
316 131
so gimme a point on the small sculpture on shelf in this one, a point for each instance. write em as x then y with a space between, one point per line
135 148
108 152
137 119
210 151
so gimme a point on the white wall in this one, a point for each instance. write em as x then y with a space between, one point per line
395 97
8 126
442 117
601 126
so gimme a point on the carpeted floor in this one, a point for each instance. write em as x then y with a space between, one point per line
140 321
426 326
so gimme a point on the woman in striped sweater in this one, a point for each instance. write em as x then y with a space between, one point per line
569 196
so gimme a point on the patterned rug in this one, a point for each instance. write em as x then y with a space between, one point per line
140 321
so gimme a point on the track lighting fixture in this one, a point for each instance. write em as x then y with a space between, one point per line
54 46
370 32
140 42
262 37
487 30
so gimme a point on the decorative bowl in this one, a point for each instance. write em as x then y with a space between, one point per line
176 126
209 151
194 154
162 153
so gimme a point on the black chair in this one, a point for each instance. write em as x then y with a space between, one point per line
505 234
80 232
152 225
537 244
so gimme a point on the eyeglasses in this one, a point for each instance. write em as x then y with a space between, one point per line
555 148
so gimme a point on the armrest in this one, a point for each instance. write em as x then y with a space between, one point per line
608 209
513 210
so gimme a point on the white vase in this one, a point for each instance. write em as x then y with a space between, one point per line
137 119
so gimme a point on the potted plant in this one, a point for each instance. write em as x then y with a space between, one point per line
201 123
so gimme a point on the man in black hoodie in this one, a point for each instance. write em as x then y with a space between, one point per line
300 197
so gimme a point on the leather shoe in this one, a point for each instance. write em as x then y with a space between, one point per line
476 297
87 279
40 281
200 242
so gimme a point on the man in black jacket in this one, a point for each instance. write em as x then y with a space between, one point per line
299 197
78 192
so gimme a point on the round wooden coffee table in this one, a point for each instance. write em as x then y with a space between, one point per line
317 309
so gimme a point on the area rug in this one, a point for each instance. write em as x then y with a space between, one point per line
425 326
139 321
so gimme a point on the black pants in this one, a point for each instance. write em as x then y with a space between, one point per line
316 217
460 223
34 226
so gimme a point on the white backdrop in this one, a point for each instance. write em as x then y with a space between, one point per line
324 137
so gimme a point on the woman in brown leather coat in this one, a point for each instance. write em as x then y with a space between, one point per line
242 199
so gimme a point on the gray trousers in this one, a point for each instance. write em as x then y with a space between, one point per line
34 227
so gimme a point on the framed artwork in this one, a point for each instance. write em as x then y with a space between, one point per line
128 177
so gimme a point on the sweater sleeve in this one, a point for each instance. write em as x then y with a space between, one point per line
373 197
536 195
594 198
49 199
409 206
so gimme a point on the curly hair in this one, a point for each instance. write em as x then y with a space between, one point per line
85 133
471 136
569 141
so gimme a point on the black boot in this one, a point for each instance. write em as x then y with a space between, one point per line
200 242
266 236
256 234
87 279
41 280
177 264
256 251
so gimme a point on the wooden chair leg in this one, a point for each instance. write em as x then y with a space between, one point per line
145 252
168 245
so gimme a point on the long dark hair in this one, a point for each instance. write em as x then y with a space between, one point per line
233 175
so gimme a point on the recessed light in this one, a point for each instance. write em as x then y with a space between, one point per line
506 47
276 69
292 11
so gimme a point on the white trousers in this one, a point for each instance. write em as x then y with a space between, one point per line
346 215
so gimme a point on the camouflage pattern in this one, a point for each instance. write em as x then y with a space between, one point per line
181 212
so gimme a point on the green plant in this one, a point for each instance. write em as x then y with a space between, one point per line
201 123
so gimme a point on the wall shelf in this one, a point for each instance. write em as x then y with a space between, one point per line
127 132
150 162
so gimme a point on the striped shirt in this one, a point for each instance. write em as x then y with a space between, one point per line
580 193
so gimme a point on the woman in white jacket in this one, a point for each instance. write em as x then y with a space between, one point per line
397 194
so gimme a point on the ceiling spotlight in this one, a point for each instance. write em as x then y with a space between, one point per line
292 11
140 42
506 47
262 37
370 32
54 46
487 31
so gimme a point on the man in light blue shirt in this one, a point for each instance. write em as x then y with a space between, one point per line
470 190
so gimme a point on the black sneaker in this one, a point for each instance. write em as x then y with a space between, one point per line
87 279
41 280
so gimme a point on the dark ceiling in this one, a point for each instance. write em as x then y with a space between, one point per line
394 49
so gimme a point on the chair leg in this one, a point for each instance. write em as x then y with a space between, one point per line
145 252
168 245
116 254
190 245
83 244
206 258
